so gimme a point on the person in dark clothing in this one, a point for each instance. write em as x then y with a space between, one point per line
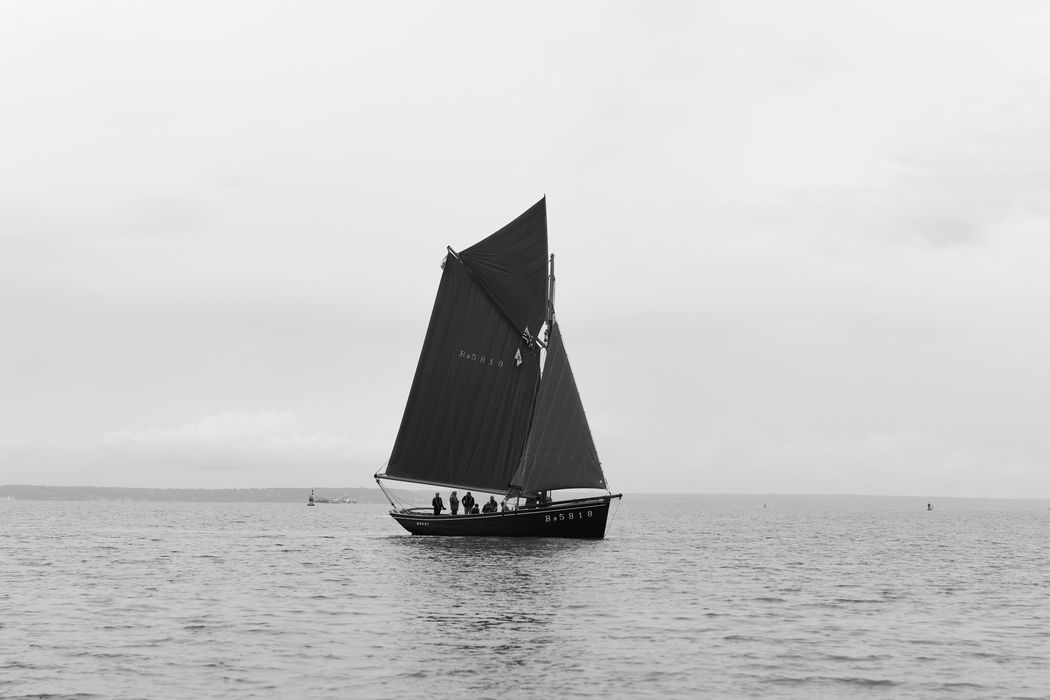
453 503
468 503
474 509
438 504
491 506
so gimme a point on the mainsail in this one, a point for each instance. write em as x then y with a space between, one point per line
560 452
471 400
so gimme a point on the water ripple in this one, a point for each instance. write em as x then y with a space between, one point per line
127 600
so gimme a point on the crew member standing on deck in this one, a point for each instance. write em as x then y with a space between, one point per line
453 503
468 503
438 504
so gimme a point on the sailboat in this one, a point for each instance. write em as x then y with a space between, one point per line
494 405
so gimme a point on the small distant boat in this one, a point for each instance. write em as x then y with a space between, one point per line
929 506
487 411
344 499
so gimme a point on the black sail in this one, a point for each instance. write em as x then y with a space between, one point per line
510 262
560 452
468 411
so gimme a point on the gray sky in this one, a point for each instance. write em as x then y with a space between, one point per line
802 247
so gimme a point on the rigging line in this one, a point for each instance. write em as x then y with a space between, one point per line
494 299
549 322
389 497
555 389
452 378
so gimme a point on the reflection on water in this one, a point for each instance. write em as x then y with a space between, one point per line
490 603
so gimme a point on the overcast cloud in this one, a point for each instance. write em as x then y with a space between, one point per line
802 247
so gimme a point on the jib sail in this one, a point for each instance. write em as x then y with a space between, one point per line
560 452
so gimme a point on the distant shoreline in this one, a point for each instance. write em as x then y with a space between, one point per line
25 492
774 502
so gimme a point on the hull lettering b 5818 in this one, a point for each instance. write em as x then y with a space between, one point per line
581 519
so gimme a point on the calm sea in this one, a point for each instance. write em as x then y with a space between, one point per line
682 599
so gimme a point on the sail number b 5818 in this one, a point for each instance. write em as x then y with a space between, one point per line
579 515
480 359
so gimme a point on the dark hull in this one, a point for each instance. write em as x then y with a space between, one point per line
583 518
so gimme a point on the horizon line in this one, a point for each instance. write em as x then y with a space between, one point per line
637 493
